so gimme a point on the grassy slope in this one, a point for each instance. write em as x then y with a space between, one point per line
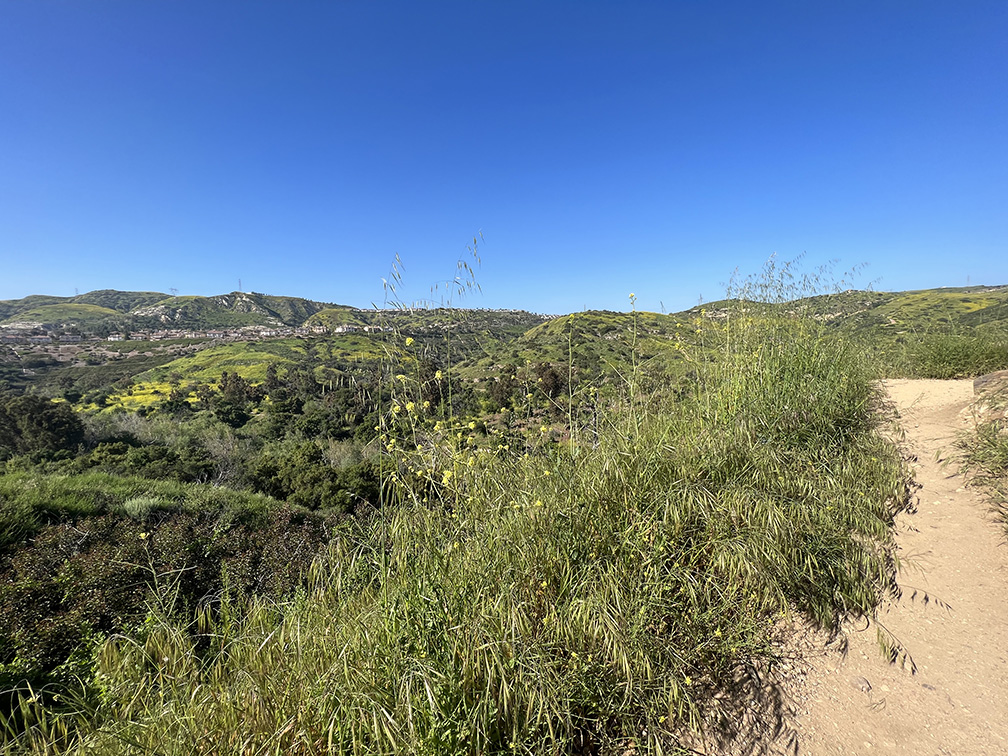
247 358
121 301
334 317
9 308
69 312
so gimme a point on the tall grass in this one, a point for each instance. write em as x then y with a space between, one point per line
984 450
605 595
951 355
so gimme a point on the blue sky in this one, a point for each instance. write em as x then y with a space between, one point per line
599 147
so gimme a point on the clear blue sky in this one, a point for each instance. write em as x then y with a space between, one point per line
600 147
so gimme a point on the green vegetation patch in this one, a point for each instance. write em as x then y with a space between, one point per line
143 394
335 317
247 358
33 498
83 557
985 449
57 314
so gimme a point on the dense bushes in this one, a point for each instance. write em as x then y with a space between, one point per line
302 476
35 425
91 572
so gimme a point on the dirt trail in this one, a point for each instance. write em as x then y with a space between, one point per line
957 702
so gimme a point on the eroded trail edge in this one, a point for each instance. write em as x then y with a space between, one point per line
952 617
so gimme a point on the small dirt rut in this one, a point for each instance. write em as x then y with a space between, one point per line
954 554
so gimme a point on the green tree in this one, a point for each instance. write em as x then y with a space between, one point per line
33 424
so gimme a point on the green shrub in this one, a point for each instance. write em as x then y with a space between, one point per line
74 583
141 508
957 356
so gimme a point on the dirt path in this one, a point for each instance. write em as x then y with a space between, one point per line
957 702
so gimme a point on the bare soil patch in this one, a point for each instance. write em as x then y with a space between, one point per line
952 617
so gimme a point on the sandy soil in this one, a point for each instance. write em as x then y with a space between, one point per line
957 701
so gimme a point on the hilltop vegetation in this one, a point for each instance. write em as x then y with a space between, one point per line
573 534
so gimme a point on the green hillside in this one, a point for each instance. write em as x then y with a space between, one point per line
121 301
336 317
145 309
944 332
247 358
11 308
228 310
66 313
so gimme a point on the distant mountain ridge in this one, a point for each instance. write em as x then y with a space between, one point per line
945 308
108 309
146 309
